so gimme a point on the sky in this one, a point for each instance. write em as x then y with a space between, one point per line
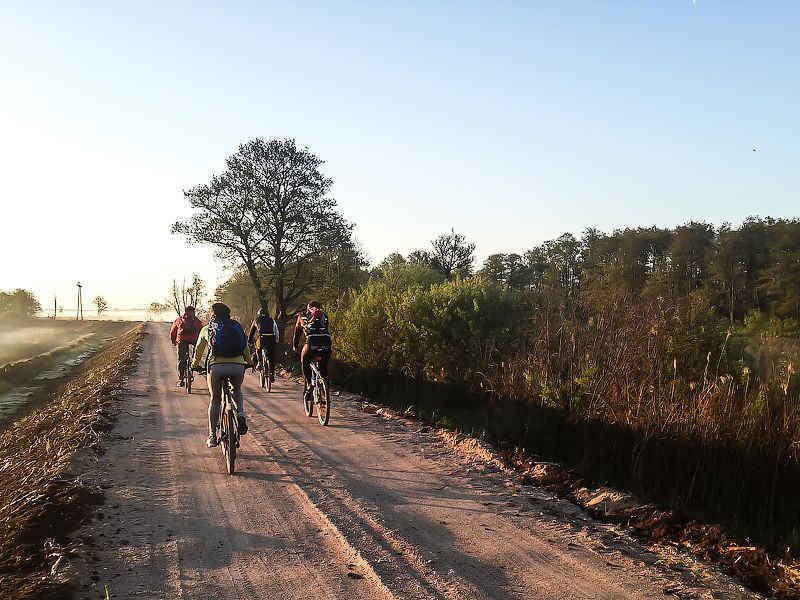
511 122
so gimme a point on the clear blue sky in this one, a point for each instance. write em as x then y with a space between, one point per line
512 122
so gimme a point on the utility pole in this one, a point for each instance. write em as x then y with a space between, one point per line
55 306
79 311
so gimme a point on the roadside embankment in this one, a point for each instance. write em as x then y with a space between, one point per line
39 502
37 356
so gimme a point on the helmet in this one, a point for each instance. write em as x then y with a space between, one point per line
262 312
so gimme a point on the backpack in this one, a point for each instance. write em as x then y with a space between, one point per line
265 326
186 326
227 338
316 327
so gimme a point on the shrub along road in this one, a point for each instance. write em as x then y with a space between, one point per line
365 508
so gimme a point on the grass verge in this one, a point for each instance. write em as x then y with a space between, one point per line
39 503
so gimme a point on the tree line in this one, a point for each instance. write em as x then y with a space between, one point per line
271 218
755 267
20 302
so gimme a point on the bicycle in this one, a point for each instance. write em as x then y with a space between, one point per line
320 393
265 368
227 430
187 368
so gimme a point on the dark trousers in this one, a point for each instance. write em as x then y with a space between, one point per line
267 343
183 353
310 353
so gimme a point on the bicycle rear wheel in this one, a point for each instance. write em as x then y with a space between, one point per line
229 442
324 398
268 375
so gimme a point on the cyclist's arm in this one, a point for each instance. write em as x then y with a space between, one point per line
298 329
251 337
173 332
276 331
200 349
247 356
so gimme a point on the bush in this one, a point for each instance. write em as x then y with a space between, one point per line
445 332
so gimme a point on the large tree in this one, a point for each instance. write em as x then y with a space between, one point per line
270 214
452 255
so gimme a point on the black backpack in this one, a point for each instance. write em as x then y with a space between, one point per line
316 327
265 325
227 338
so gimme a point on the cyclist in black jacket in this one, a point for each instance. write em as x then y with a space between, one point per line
314 324
264 334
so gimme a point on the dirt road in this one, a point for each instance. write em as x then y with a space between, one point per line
365 508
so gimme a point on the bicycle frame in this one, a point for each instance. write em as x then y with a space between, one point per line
320 391
315 374
228 425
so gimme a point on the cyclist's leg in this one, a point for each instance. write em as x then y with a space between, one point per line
183 350
237 379
323 367
305 361
215 389
235 372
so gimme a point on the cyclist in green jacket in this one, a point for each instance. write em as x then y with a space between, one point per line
230 362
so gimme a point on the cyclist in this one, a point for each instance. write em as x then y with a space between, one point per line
314 324
265 335
229 356
183 333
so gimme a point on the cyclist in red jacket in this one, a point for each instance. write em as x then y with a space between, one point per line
184 332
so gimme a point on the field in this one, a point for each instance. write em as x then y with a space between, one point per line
35 354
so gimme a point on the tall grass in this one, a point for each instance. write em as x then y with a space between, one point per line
662 397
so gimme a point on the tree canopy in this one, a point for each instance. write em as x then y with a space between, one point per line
270 214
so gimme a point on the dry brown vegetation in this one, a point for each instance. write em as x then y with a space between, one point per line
39 504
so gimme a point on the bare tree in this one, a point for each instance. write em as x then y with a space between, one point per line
196 291
100 303
177 297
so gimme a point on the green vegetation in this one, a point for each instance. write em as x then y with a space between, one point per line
19 302
661 360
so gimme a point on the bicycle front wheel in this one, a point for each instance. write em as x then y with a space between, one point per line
324 397
230 442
